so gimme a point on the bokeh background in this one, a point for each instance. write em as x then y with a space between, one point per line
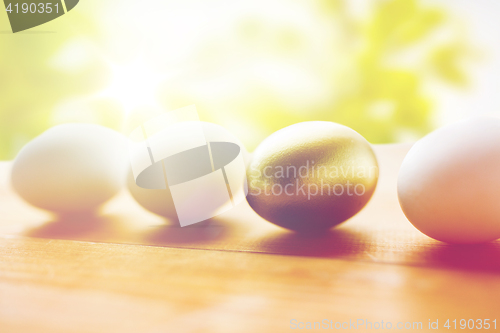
392 70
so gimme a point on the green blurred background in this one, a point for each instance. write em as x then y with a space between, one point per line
392 70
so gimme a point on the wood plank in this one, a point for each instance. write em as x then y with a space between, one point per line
71 286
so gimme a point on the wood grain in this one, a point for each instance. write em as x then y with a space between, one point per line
70 286
127 270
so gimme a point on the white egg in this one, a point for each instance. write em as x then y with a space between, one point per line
449 183
161 202
71 168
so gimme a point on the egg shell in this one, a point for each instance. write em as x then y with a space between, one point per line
71 168
311 176
449 182
160 201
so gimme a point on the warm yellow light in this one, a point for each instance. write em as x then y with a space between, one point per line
133 84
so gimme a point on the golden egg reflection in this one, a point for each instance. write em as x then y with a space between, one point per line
312 175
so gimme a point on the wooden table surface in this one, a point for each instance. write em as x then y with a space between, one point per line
128 270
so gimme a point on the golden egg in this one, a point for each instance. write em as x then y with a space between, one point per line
311 175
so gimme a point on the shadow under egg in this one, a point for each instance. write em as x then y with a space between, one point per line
332 243
469 257
193 235
80 226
